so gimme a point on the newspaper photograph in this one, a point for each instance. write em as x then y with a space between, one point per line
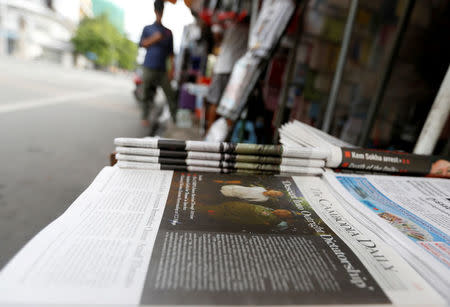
268 240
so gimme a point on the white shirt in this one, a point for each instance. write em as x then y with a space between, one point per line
248 193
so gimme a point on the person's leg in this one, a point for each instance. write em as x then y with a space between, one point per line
170 94
149 89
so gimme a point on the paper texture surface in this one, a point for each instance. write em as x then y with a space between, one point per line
234 161
228 240
97 252
398 280
413 214
158 237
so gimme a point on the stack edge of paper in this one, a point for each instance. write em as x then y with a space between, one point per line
197 156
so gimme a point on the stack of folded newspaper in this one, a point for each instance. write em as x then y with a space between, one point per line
199 156
343 155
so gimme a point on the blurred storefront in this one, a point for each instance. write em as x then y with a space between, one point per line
364 71
38 29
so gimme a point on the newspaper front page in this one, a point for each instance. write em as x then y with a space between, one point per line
411 213
157 237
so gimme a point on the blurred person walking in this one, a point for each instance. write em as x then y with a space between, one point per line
158 41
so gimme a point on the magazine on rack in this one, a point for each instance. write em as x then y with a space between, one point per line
345 156
162 237
412 214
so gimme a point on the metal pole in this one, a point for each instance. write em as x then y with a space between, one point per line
290 64
386 75
340 67
435 120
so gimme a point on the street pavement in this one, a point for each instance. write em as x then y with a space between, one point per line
56 133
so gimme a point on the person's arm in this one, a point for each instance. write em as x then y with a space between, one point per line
152 39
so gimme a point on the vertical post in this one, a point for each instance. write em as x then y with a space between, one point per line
340 67
290 65
435 120
386 75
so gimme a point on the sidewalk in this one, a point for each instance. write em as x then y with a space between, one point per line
174 132
170 130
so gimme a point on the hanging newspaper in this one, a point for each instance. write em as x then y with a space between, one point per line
243 78
270 25
165 238
412 213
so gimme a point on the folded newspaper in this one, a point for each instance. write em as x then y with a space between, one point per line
346 156
163 237
412 214
218 157
271 23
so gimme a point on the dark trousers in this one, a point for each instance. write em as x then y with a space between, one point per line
151 80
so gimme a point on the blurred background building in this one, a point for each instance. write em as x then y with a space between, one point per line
39 29
42 29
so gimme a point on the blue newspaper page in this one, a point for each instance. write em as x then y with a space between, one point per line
413 211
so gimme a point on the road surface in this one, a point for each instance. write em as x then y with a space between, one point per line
56 133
